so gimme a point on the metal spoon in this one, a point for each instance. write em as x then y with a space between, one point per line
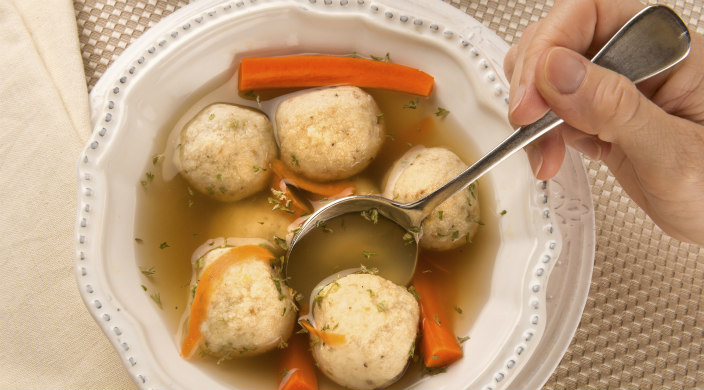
654 40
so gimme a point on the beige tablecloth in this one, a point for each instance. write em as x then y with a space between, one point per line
643 325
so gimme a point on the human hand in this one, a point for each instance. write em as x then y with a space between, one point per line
651 136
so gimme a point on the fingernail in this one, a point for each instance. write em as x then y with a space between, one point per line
535 157
517 97
565 70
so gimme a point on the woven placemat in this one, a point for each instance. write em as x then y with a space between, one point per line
643 325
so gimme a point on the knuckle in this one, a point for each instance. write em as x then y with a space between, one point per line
618 104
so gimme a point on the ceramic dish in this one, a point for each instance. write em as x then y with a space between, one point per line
539 274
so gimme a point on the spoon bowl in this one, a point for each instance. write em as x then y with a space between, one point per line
653 41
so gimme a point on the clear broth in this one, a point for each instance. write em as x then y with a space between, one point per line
172 221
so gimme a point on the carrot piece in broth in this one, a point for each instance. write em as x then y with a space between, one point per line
297 367
316 71
438 345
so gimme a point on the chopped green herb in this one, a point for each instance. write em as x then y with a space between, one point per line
223 189
156 158
138 240
368 255
503 212
257 169
250 94
433 370
440 212
278 282
461 340
391 137
412 104
156 297
441 112
190 191
211 117
323 226
371 215
414 292
371 293
473 190
458 309
281 243
408 239
280 199
368 270
199 263
235 124
294 160
148 272
386 58
436 319
143 287
455 235
381 306
414 229
379 117
190 203
163 245
219 176
318 299
475 219
150 179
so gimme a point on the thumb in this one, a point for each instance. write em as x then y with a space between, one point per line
597 101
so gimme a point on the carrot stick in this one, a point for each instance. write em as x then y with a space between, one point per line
327 189
297 368
315 71
439 345
209 279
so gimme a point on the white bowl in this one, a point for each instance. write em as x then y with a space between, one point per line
537 283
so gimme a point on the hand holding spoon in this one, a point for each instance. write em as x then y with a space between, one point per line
653 41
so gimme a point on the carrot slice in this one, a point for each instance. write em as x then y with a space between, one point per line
209 279
327 189
439 345
327 337
297 367
315 71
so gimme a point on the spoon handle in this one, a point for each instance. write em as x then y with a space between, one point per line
653 40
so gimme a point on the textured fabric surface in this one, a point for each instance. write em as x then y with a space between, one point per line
44 327
643 325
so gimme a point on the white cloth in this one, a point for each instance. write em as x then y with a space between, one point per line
47 337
